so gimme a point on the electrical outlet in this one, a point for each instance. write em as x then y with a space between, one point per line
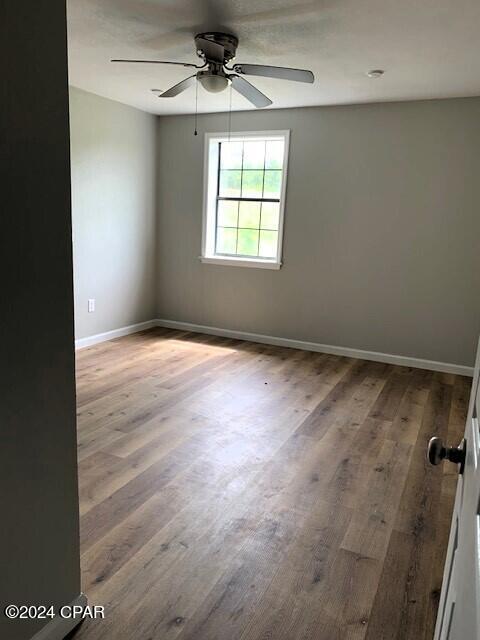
91 305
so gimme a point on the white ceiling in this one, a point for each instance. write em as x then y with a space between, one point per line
428 48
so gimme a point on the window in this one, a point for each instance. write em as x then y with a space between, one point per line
245 181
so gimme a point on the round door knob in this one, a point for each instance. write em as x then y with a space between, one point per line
437 451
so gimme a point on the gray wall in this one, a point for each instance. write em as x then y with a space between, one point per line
38 469
113 209
382 229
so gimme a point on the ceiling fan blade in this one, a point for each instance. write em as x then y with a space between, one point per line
248 91
181 64
283 73
212 50
178 88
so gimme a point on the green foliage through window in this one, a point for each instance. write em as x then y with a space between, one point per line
248 198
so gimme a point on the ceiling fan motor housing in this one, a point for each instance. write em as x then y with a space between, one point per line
228 41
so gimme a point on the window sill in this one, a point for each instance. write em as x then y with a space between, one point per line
254 263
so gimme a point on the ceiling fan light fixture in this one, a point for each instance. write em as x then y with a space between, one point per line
212 82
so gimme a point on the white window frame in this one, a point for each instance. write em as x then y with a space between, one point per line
210 184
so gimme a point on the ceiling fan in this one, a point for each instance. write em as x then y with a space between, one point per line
217 50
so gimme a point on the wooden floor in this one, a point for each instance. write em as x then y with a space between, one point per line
236 491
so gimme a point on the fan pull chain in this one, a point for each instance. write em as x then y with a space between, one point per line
195 133
230 114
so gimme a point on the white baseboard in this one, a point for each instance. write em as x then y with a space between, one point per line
116 333
375 356
59 627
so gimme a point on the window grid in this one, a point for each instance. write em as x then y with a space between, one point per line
240 199
263 193
241 191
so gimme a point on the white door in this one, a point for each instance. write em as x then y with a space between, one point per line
459 609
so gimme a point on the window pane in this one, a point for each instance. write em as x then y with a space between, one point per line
273 183
231 155
227 213
270 215
249 217
230 183
247 242
274 154
254 154
252 183
268 244
226 240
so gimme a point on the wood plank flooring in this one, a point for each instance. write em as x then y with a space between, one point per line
237 491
